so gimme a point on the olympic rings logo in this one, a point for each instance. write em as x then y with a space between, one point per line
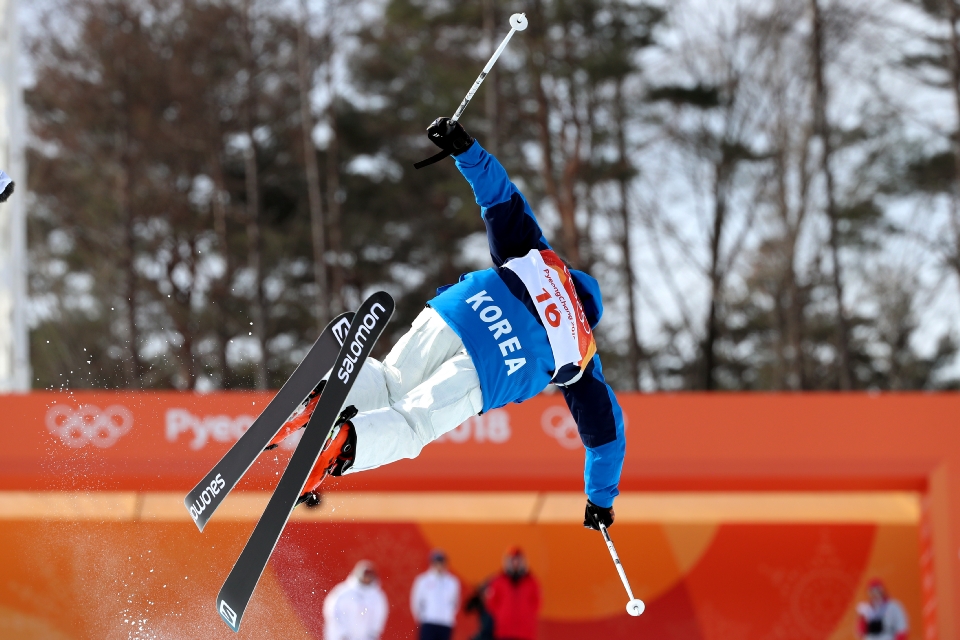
560 425
89 424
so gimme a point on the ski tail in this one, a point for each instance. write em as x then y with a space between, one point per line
368 325
209 494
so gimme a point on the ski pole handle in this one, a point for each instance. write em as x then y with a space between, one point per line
518 22
635 607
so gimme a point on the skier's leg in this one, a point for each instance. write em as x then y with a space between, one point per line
439 404
428 343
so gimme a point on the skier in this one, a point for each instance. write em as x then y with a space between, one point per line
497 336
7 186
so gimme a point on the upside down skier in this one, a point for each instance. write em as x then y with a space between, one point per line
499 335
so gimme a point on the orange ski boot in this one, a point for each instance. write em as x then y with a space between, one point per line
336 456
299 418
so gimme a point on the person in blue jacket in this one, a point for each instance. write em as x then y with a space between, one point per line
499 335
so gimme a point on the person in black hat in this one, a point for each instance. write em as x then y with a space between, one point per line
435 599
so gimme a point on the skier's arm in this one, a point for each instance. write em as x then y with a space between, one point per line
512 229
600 423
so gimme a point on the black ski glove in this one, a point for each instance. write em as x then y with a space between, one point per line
594 515
449 136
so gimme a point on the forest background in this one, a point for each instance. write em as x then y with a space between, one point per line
767 190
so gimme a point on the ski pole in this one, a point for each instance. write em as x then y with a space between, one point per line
635 607
518 22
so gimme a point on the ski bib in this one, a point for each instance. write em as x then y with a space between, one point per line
549 284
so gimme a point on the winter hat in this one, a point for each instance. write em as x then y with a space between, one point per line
877 583
515 563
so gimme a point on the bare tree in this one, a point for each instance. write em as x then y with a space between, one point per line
562 145
124 189
788 179
252 184
133 366
321 304
715 125
625 173
334 223
953 58
822 127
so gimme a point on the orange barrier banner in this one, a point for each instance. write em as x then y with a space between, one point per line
167 440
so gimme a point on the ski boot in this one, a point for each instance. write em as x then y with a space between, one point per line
336 456
299 418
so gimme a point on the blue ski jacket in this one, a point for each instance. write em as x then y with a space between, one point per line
514 360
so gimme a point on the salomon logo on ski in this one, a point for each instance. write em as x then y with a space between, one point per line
229 615
206 497
356 347
340 330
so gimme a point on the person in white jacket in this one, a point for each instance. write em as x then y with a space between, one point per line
883 618
356 609
435 599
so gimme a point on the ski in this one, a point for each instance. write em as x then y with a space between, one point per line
369 323
204 499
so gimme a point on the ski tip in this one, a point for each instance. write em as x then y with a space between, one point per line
228 614
381 301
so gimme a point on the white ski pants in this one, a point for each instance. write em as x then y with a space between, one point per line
426 386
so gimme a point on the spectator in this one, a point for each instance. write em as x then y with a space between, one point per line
356 609
435 599
882 618
513 599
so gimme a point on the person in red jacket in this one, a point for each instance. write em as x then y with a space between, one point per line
513 599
